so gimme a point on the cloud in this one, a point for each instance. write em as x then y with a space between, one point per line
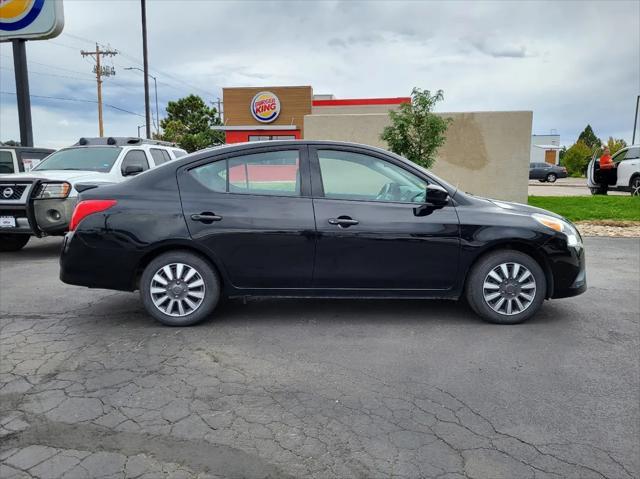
557 59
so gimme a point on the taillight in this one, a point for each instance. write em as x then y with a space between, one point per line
86 208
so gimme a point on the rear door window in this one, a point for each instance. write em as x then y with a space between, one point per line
157 156
632 154
273 173
133 158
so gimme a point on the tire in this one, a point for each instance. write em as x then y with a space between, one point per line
197 284
598 190
552 177
488 308
634 184
542 180
13 242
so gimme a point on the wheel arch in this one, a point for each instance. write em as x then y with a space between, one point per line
529 249
188 247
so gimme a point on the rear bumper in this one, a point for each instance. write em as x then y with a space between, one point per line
84 265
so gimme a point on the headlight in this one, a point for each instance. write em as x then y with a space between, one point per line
561 226
53 191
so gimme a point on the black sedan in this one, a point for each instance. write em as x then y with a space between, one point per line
309 219
546 172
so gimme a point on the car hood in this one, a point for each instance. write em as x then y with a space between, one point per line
517 208
72 176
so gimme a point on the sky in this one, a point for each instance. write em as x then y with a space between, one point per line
572 63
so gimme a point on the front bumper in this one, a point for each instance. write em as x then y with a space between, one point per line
567 266
52 216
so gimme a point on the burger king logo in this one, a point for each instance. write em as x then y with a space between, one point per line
265 107
18 14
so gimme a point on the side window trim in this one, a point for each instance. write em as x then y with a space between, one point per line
317 188
303 159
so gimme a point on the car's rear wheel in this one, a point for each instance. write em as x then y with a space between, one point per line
179 288
506 287
13 242
635 186
552 177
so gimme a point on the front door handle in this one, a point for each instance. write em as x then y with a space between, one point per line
343 221
206 217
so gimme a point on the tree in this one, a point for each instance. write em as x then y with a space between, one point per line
188 123
577 158
10 143
415 132
615 144
561 154
589 138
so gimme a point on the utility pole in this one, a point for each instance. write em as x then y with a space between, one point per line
145 61
100 71
635 121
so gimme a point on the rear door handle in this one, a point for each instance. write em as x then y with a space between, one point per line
343 221
206 217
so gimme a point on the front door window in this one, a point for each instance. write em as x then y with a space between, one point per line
353 176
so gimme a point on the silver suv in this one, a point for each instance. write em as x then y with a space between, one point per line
40 202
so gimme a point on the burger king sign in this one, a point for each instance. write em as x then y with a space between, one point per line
265 107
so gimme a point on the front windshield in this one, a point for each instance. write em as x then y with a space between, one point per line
95 158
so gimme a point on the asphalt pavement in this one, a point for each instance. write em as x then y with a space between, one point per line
92 387
565 187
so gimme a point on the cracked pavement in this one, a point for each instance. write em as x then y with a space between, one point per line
91 387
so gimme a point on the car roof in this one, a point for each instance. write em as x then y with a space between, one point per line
249 145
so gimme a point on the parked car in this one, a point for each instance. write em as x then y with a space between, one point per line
624 176
546 172
15 159
40 202
303 218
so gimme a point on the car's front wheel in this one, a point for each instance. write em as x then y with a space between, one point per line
179 288
13 242
552 177
506 287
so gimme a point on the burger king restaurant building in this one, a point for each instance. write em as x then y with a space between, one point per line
486 152
278 113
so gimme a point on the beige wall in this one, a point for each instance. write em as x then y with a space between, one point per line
486 153
352 109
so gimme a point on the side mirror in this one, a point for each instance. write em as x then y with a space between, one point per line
132 170
436 196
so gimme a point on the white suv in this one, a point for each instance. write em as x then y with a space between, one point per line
40 202
625 176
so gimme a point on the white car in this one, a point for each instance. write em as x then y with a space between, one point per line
625 176
40 202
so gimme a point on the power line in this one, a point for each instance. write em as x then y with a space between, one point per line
52 66
82 100
49 74
138 62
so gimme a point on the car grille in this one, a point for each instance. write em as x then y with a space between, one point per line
11 191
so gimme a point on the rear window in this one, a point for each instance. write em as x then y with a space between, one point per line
179 153
95 158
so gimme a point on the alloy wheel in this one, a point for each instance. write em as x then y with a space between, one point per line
509 288
635 187
177 289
